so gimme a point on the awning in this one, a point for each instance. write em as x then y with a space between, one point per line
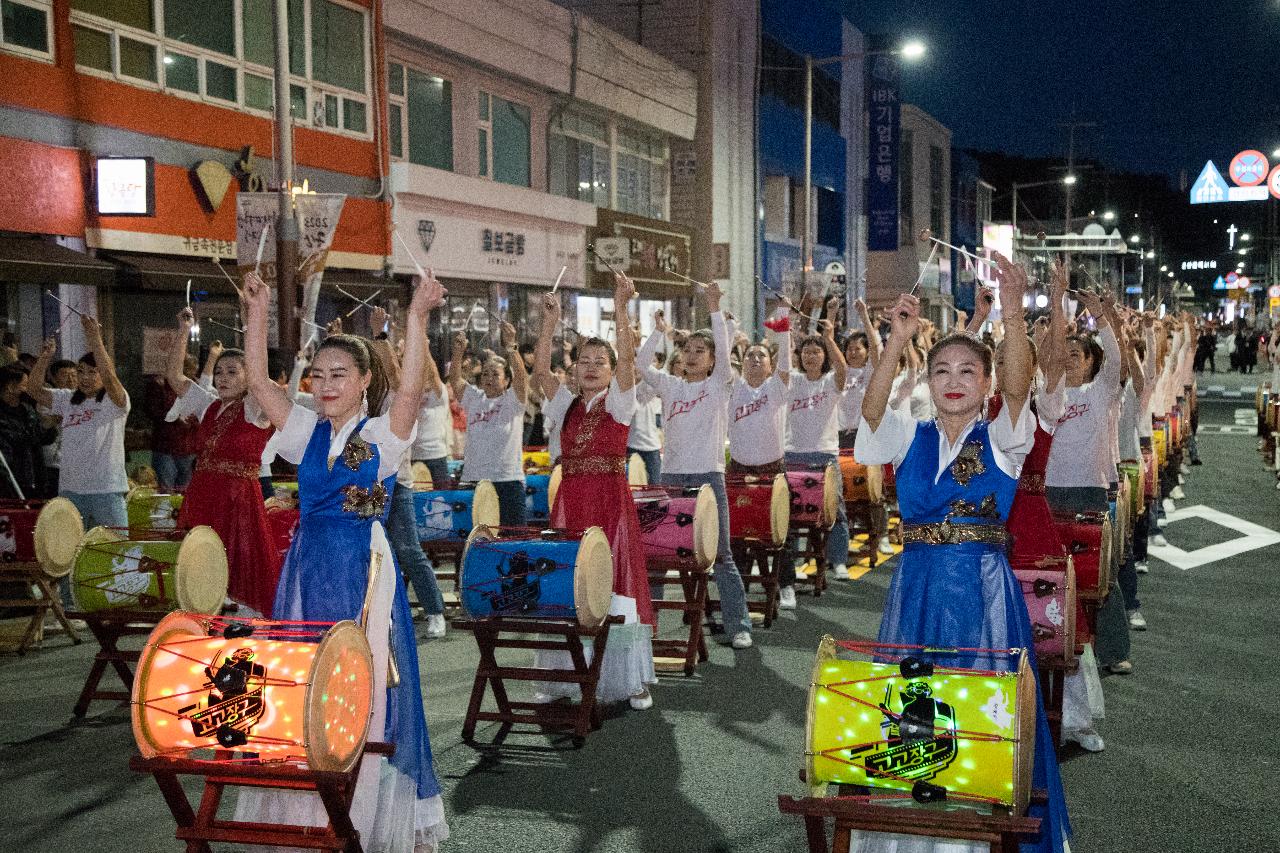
31 260
169 272
362 282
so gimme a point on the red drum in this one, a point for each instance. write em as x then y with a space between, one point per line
678 524
1049 587
283 522
813 495
1087 538
17 530
759 509
862 485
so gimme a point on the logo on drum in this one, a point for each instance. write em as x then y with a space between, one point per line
235 702
919 739
519 584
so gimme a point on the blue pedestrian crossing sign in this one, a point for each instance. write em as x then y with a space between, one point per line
1220 284
1209 187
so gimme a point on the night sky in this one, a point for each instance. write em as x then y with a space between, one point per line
1171 84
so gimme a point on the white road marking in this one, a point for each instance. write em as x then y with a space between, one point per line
1246 416
1254 536
1228 429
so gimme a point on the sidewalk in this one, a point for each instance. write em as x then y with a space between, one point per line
1228 384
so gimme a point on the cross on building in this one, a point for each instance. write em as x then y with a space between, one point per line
1231 236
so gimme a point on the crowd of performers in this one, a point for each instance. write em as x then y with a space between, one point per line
998 423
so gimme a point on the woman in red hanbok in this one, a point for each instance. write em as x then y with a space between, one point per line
224 492
594 491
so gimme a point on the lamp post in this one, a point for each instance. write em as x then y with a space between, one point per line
1067 180
910 50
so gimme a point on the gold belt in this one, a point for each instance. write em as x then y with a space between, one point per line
954 533
576 466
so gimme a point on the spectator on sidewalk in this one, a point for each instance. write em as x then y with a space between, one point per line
23 435
173 443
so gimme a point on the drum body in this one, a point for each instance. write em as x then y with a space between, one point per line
1132 473
970 732
1160 442
759 509
861 484
537 499
555 575
813 495
678 524
287 691
1149 474
148 509
111 572
536 459
1088 540
18 530
1049 588
449 515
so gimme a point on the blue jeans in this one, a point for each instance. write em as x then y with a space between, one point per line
439 469
173 473
511 508
733 595
838 537
402 532
105 509
652 463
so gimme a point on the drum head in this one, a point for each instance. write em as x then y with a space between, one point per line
553 486
706 527
200 574
1106 555
339 698
1069 618
593 578
637 474
830 494
484 506
172 626
421 477
479 533
826 652
875 483
1024 751
96 536
779 509
58 532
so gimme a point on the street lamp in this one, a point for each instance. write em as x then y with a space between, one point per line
1164 268
1134 239
1109 215
1067 180
911 50
1151 254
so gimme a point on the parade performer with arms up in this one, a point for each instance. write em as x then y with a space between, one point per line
956 478
347 456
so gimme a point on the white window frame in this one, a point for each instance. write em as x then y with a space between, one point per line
484 169
45 55
400 133
315 89
612 128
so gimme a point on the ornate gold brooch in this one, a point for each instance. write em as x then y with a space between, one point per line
365 503
961 508
357 452
969 463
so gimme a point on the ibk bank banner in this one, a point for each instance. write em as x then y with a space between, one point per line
884 108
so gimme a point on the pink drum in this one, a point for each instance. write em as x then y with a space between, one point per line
1049 588
814 493
678 524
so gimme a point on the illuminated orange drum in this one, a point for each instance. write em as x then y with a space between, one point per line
861 484
288 691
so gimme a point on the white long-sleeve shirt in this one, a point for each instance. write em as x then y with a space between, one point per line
1082 454
758 416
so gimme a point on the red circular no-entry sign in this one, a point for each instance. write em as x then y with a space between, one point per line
1249 168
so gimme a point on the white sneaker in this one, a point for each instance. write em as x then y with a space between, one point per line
787 598
1141 567
742 640
842 572
1087 738
1169 505
1186 469
641 701
435 625
53 626
1159 541
542 698
885 547
1136 622
1177 494
1123 667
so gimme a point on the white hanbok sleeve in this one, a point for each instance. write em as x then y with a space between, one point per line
291 442
1051 405
554 410
194 402
391 447
1010 444
889 443
621 405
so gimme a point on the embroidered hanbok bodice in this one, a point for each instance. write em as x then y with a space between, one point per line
347 490
971 489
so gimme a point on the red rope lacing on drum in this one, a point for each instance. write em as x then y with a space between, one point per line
491 545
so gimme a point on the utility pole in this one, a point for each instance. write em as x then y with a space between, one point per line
1071 165
286 226
805 248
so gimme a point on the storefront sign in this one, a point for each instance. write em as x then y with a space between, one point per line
650 251
493 247
256 247
884 106
126 186
1199 265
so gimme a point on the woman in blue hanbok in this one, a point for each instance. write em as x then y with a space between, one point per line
347 463
956 477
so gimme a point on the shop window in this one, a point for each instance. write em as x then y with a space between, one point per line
353 116
202 23
25 26
337 55
138 60
219 81
580 169
395 129
259 92
618 167
502 136
428 121
93 48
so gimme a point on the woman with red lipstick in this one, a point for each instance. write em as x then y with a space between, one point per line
224 492
956 478
594 490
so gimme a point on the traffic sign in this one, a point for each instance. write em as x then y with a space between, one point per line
1210 186
1249 168
1273 292
1219 284
1273 182
1232 278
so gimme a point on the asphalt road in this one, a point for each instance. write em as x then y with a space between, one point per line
1189 765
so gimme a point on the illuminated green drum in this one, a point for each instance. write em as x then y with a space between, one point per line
148 509
159 573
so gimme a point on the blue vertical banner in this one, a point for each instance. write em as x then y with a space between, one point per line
884 102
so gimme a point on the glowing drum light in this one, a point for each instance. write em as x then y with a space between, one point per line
286 691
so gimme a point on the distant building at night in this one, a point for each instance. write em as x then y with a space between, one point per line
970 207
